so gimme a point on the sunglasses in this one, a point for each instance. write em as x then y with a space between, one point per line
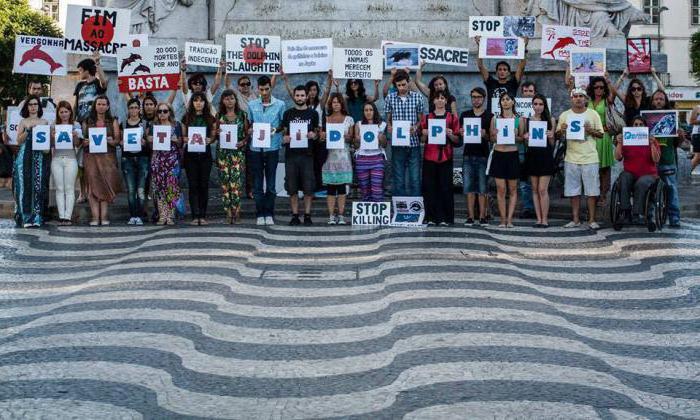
637 89
163 111
599 87
197 82
244 84
33 104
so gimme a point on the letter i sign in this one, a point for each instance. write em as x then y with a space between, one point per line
97 29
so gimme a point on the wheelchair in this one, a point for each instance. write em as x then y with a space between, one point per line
655 206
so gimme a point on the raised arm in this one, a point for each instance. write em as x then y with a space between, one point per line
217 78
618 84
327 87
388 83
479 62
183 76
286 84
374 97
520 71
419 80
100 74
659 83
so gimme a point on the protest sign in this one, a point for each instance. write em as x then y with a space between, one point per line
39 55
206 55
503 48
523 106
262 135
253 54
162 137
197 139
557 40
639 55
371 214
97 137
587 61
307 55
132 139
357 63
537 134
662 123
13 119
369 136
401 133
298 133
41 137
505 128
635 136
228 136
400 55
89 29
486 26
408 211
148 68
520 26
437 131
472 130
575 128
335 136
63 135
449 56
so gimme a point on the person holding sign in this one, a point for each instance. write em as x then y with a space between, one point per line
436 84
356 97
165 164
581 159
135 164
505 163
635 98
370 141
337 170
539 157
30 167
437 162
504 81
231 162
64 164
101 173
299 164
476 154
198 164
405 105
640 173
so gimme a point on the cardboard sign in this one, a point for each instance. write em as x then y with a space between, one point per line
448 56
472 130
298 133
662 123
13 120
262 135
639 55
369 136
39 55
307 55
523 107
505 128
132 139
335 136
253 54
41 137
197 139
357 63
366 213
148 68
437 131
98 139
228 136
63 137
575 128
408 211
401 133
587 61
537 133
504 48
162 137
89 29
206 55
635 136
502 26
399 55
557 40
138 40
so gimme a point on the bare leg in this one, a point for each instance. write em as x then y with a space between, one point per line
591 208
543 192
575 203
513 192
470 205
294 203
94 208
104 206
308 199
482 206
330 203
501 197
535 182
341 204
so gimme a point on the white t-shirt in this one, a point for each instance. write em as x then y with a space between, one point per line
372 152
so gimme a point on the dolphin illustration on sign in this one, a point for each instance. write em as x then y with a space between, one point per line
129 60
561 43
35 53
141 68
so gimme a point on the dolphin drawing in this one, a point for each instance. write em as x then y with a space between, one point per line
561 43
141 68
131 59
400 55
35 53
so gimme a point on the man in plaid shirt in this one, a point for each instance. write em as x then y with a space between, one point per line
405 105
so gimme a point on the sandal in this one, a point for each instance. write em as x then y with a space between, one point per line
105 223
170 222
94 223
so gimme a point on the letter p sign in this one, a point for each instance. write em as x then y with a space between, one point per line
437 131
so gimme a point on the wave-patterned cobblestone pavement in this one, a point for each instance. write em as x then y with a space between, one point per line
243 322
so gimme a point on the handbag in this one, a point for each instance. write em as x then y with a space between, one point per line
614 121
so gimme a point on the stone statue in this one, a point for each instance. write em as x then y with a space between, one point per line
146 11
606 18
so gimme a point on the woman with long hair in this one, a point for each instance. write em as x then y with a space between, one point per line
336 172
602 97
539 161
356 97
436 84
101 172
369 163
64 165
165 166
231 162
135 165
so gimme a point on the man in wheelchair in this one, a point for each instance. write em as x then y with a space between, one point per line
640 181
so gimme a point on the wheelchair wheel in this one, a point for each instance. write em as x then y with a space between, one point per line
650 209
615 206
661 205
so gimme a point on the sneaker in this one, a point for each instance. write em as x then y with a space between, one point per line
431 223
594 226
331 220
295 220
695 171
469 222
131 221
269 220
483 222
138 221
572 224
307 220
260 221
675 225
341 220
444 224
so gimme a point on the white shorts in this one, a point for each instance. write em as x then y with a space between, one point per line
577 176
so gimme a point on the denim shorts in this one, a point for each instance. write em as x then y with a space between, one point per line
474 175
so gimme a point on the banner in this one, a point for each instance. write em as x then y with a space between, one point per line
557 40
523 106
148 68
89 29
639 55
437 131
206 55
663 123
401 133
502 26
369 136
575 128
400 55
39 55
408 211
357 63
335 136
63 135
162 137
132 139
503 48
307 55
505 131
448 56
228 136
262 135
197 139
537 134
13 119
41 137
98 140
253 54
371 214
635 136
587 61
472 130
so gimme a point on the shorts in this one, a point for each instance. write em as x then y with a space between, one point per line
474 175
299 174
583 176
336 189
695 141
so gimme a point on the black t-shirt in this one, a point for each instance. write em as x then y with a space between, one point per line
494 89
631 112
480 150
293 115
85 93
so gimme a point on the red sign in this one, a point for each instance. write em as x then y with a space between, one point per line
639 55
148 68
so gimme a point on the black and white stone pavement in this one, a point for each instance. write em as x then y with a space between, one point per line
322 322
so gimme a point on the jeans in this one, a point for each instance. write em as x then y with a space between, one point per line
668 175
135 170
637 187
263 166
406 164
474 175
524 187
64 170
198 168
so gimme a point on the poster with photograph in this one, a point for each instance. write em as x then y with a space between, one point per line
520 26
400 55
587 62
502 48
639 55
408 211
662 123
